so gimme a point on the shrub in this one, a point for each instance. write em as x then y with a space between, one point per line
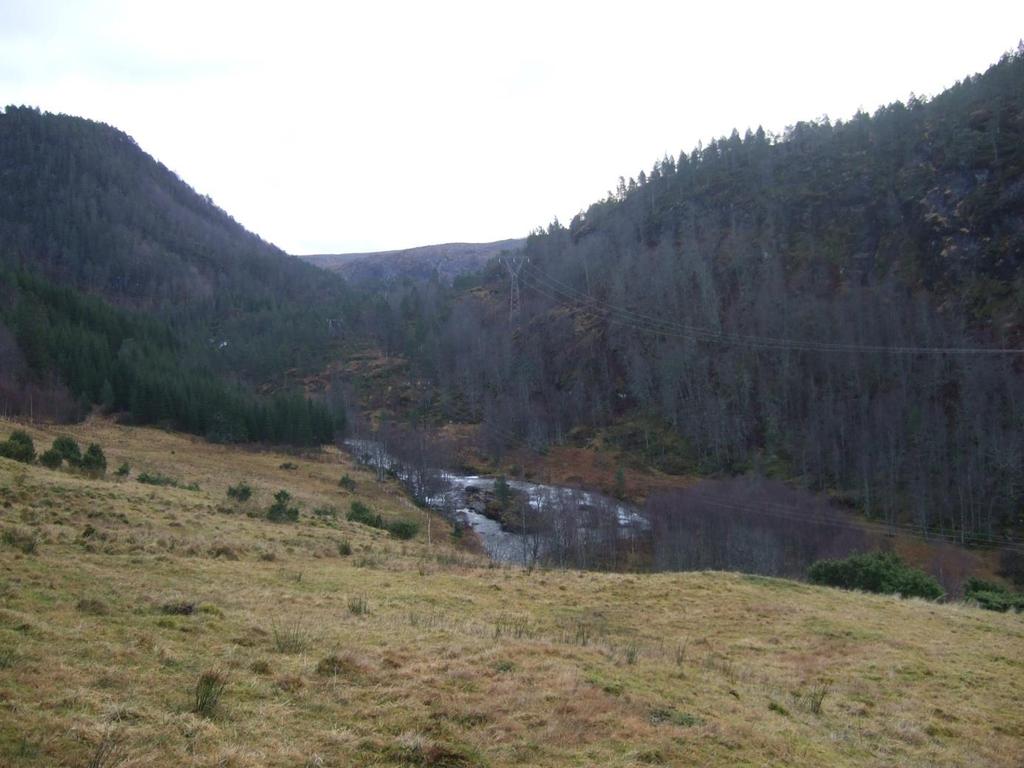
403 529
502 491
347 483
619 488
123 470
992 596
288 465
240 492
19 446
26 541
178 608
93 606
344 548
360 513
68 449
208 692
51 459
328 512
882 572
280 511
155 478
94 461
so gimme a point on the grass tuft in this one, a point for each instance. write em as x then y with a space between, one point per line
208 690
359 605
290 638
109 751
337 666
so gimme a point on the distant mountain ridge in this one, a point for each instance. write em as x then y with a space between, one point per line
448 259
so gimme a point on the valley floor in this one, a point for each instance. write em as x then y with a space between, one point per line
422 654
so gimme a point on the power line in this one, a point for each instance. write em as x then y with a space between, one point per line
562 294
514 265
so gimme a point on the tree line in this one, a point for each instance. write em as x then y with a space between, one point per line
94 354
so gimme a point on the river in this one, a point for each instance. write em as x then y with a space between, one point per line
456 497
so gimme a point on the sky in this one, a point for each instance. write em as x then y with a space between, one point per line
343 126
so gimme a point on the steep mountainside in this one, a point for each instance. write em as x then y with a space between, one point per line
123 286
447 261
81 202
840 305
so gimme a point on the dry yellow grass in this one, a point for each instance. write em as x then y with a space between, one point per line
454 662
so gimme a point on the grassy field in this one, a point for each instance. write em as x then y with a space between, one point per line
117 597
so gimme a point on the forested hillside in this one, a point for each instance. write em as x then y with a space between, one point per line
447 261
124 287
841 304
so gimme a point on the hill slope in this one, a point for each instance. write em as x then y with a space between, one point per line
447 261
409 654
83 204
94 234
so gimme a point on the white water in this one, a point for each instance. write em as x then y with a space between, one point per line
500 544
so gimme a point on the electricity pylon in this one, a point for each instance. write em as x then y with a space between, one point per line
513 263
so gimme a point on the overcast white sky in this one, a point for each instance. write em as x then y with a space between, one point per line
334 127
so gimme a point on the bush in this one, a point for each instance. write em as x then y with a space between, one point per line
93 461
344 548
51 459
280 511
881 572
178 608
502 492
400 529
240 492
347 483
19 446
403 529
26 541
155 478
93 606
360 513
328 512
68 449
124 470
992 596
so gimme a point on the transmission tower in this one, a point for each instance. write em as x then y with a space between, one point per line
513 263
